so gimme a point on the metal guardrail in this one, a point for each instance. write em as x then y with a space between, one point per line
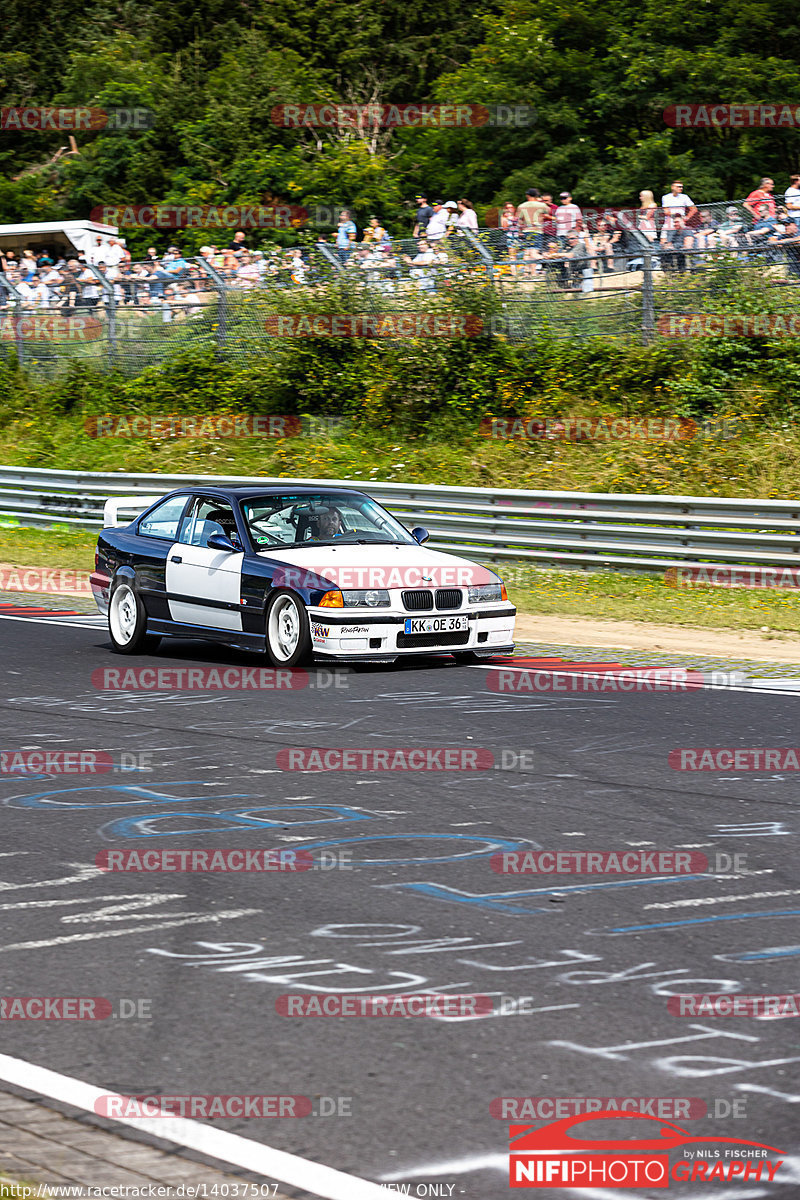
565 529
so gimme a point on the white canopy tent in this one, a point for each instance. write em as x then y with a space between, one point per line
56 237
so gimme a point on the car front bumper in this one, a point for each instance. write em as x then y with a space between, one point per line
379 635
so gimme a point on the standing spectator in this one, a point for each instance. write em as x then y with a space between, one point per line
152 256
451 209
374 233
467 218
567 216
510 230
549 223
530 218
69 290
761 203
238 241
676 204
437 225
91 288
114 253
96 253
345 236
424 214
792 197
646 215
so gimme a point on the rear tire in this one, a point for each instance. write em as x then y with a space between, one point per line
127 622
288 634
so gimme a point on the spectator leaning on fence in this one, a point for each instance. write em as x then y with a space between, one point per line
677 241
761 203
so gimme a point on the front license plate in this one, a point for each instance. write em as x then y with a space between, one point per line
436 624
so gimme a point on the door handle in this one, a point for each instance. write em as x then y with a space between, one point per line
176 558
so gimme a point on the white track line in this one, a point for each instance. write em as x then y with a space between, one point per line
215 1143
52 621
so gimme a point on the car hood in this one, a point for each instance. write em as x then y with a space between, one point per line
378 566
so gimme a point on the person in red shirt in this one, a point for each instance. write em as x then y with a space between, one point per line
761 203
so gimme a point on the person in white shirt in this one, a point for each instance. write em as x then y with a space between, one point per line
421 277
114 253
791 197
437 225
676 204
567 216
467 218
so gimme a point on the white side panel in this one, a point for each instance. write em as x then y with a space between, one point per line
204 574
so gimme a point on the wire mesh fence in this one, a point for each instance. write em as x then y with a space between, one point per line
631 275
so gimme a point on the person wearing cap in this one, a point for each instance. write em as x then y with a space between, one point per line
437 225
567 217
424 214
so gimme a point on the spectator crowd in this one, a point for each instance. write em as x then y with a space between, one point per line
537 239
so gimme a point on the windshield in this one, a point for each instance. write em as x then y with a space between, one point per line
320 519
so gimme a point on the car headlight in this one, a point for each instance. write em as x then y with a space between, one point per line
366 598
486 592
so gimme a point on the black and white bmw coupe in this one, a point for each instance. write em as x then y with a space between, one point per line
294 572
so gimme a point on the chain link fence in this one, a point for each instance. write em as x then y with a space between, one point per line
627 275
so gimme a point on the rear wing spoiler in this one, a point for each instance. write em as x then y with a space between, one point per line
131 507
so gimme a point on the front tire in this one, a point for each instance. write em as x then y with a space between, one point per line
127 622
288 635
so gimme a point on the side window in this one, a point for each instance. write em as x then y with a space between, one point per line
204 517
162 522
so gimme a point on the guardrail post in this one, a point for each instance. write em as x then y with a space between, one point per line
648 300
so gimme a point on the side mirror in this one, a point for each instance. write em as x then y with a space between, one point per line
419 534
218 541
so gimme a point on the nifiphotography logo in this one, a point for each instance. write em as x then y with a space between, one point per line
556 1156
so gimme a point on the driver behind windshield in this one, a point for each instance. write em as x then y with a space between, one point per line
330 524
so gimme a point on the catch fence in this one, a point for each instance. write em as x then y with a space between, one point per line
622 275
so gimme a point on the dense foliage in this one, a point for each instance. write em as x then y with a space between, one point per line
598 76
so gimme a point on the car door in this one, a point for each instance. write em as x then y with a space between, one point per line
146 548
204 584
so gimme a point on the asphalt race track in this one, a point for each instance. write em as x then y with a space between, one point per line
410 904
